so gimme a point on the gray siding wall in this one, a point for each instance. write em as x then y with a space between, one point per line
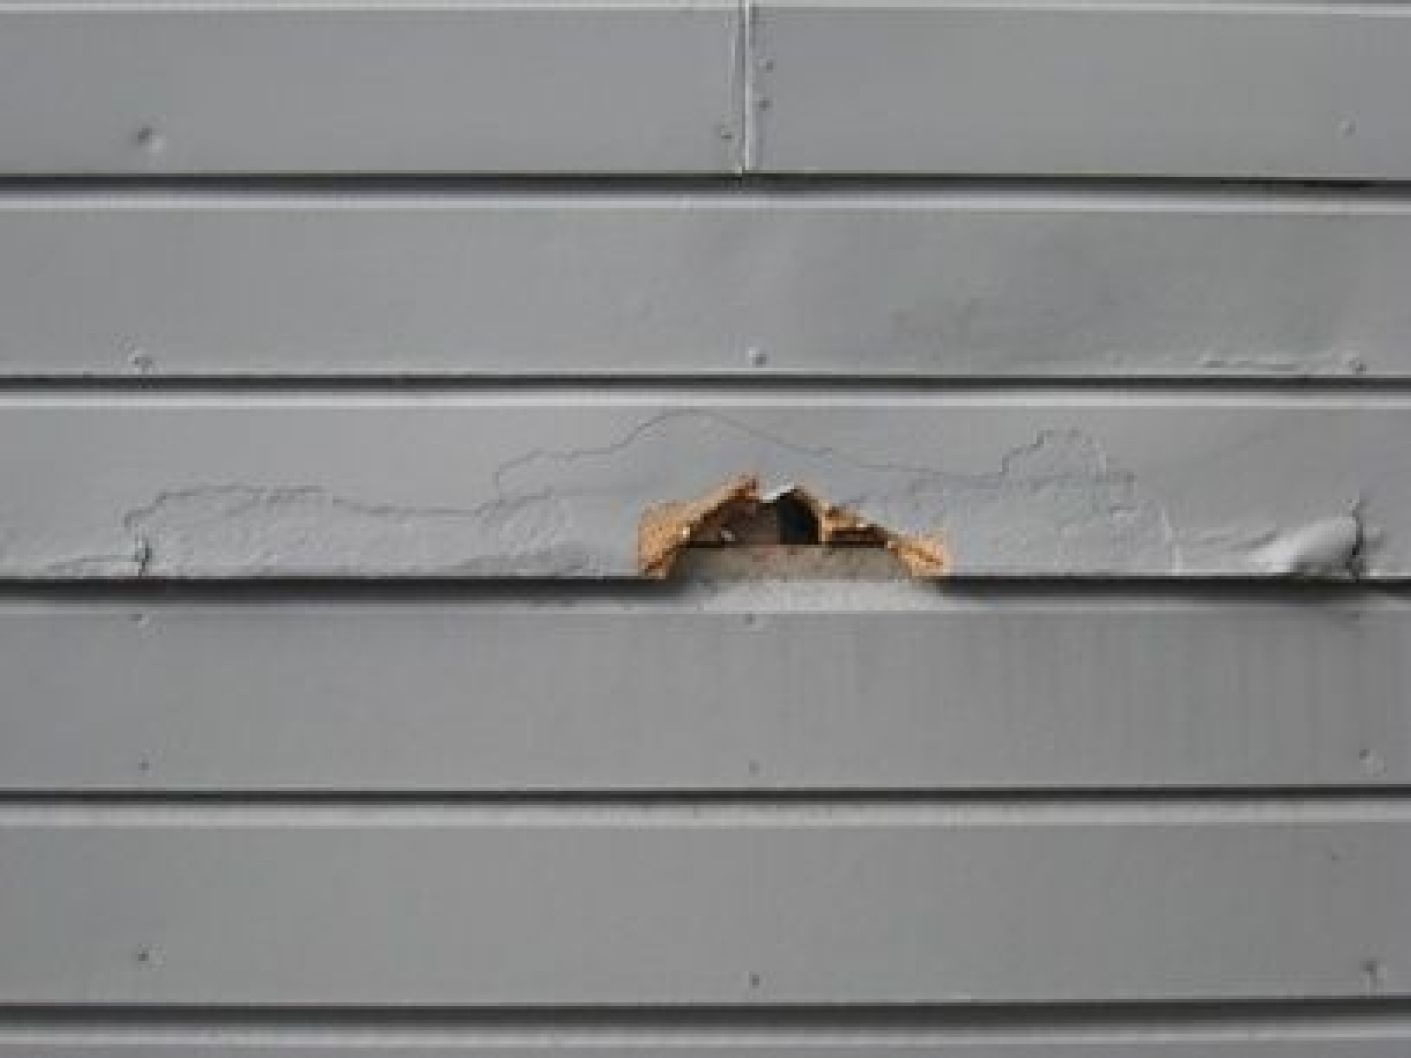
344 347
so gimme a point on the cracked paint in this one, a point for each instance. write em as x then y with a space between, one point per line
1053 503
248 529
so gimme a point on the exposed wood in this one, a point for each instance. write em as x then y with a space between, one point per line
1261 90
287 87
812 904
754 687
976 282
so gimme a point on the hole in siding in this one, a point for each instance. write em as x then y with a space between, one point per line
735 530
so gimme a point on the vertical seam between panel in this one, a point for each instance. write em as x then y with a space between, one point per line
745 73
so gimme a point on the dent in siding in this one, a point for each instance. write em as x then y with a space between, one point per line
1330 547
1054 506
1335 547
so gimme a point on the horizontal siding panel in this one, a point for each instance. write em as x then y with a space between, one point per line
1000 283
465 86
1262 1042
711 691
812 906
1261 90
544 482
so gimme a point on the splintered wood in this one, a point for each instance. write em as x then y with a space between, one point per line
737 514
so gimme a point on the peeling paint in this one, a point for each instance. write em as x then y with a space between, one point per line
1055 502
666 529
247 529
1052 504
740 124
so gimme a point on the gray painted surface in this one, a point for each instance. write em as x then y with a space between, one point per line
1179 89
755 688
283 86
553 482
817 903
964 282
1237 1042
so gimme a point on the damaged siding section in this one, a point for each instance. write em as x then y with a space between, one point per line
536 485
724 517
